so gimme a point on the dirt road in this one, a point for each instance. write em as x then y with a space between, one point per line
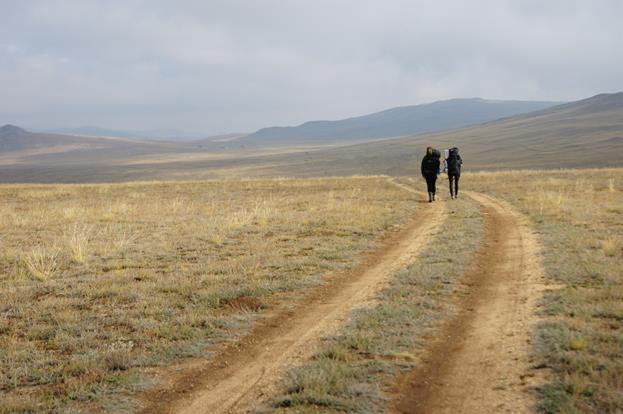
242 374
479 362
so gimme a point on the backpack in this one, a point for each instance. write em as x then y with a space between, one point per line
453 165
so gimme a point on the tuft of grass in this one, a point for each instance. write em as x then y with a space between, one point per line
78 242
578 344
42 264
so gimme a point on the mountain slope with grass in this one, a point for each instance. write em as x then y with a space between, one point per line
14 138
582 134
406 120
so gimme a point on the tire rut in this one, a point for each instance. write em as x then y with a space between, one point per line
480 361
248 371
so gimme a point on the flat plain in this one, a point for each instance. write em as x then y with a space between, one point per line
113 294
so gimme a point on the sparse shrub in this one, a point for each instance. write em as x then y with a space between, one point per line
123 241
550 202
578 344
42 264
119 356
78 241
117 360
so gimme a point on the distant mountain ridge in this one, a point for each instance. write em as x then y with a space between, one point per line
400 121
583 134
580 134
14 138
389 123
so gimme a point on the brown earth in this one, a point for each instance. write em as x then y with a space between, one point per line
480 361
246 372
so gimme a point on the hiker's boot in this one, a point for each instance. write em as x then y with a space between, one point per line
430 197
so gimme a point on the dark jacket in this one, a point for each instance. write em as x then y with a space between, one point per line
430 165
454 163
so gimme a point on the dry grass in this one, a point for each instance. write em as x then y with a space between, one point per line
41 263
100 282
579 217
350 371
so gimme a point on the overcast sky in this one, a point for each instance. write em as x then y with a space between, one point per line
211 66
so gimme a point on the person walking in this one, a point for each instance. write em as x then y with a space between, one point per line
453 165
430 170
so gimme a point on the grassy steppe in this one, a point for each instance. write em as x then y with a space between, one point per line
578 215
100 282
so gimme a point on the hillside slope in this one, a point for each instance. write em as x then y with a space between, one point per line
13 138
19 146
582 134
395 122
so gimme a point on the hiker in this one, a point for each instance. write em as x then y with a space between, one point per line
453 167
430 170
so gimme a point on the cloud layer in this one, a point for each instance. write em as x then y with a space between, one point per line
234 65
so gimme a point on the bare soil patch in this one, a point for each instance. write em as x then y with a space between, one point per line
480 361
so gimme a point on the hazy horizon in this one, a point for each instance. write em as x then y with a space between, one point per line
172 133
216 67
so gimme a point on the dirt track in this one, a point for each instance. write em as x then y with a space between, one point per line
480 362
243 374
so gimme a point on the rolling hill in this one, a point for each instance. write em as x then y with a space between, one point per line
581 134
395 122
586 133
14 138
21 147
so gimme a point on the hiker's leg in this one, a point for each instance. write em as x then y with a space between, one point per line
456 185
429 188
450 179
434 186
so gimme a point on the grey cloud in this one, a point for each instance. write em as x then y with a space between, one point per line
218 66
